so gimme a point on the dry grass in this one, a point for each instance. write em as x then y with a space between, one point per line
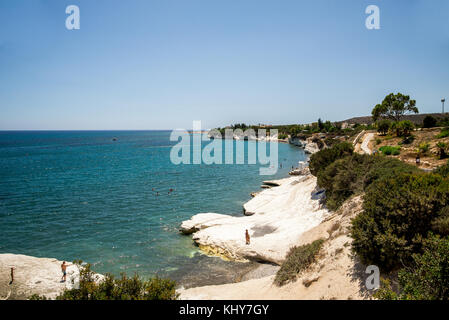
430 160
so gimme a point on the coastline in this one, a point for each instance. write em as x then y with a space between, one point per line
275 219
337 274
41 275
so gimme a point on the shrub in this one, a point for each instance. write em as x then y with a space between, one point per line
390 150
320 160
443 134
442 149
383 126
297 260
443 122
398 213
441 224
353 174
282 136
331 141
407 140
124 288
37 297
429 122
427 277
443 170
423 148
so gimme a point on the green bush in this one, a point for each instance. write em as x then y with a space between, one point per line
320 160
297 260
124 288
443 134
390 150
407 140
426 278
282 136
441 224
423 148
443 170
398 214
429 122
442 149
353 174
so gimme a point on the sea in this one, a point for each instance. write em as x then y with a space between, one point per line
114 199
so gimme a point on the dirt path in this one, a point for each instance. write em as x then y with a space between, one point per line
365 143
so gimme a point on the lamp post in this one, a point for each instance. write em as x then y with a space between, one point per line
442 101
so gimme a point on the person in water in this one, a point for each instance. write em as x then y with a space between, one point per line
247 237
64 271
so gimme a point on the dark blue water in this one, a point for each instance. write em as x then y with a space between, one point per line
82 195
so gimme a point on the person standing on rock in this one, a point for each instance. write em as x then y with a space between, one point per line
12 275
64 271
247 237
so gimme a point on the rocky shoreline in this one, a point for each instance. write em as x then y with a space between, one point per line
271 217
289 213
337 273
275 218
32 275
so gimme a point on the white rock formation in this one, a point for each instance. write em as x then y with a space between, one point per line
337 273
33 275
311 148
279 216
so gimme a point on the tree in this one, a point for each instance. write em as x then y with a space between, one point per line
320 124
394 107
403 128
383 126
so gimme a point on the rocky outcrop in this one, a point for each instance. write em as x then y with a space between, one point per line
297 142
41 276
336 274
278 217
311 148
309 144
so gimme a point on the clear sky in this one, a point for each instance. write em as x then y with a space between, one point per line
160 64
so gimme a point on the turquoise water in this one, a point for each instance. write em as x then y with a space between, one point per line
82 195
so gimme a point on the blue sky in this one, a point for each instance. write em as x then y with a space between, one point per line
160 64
